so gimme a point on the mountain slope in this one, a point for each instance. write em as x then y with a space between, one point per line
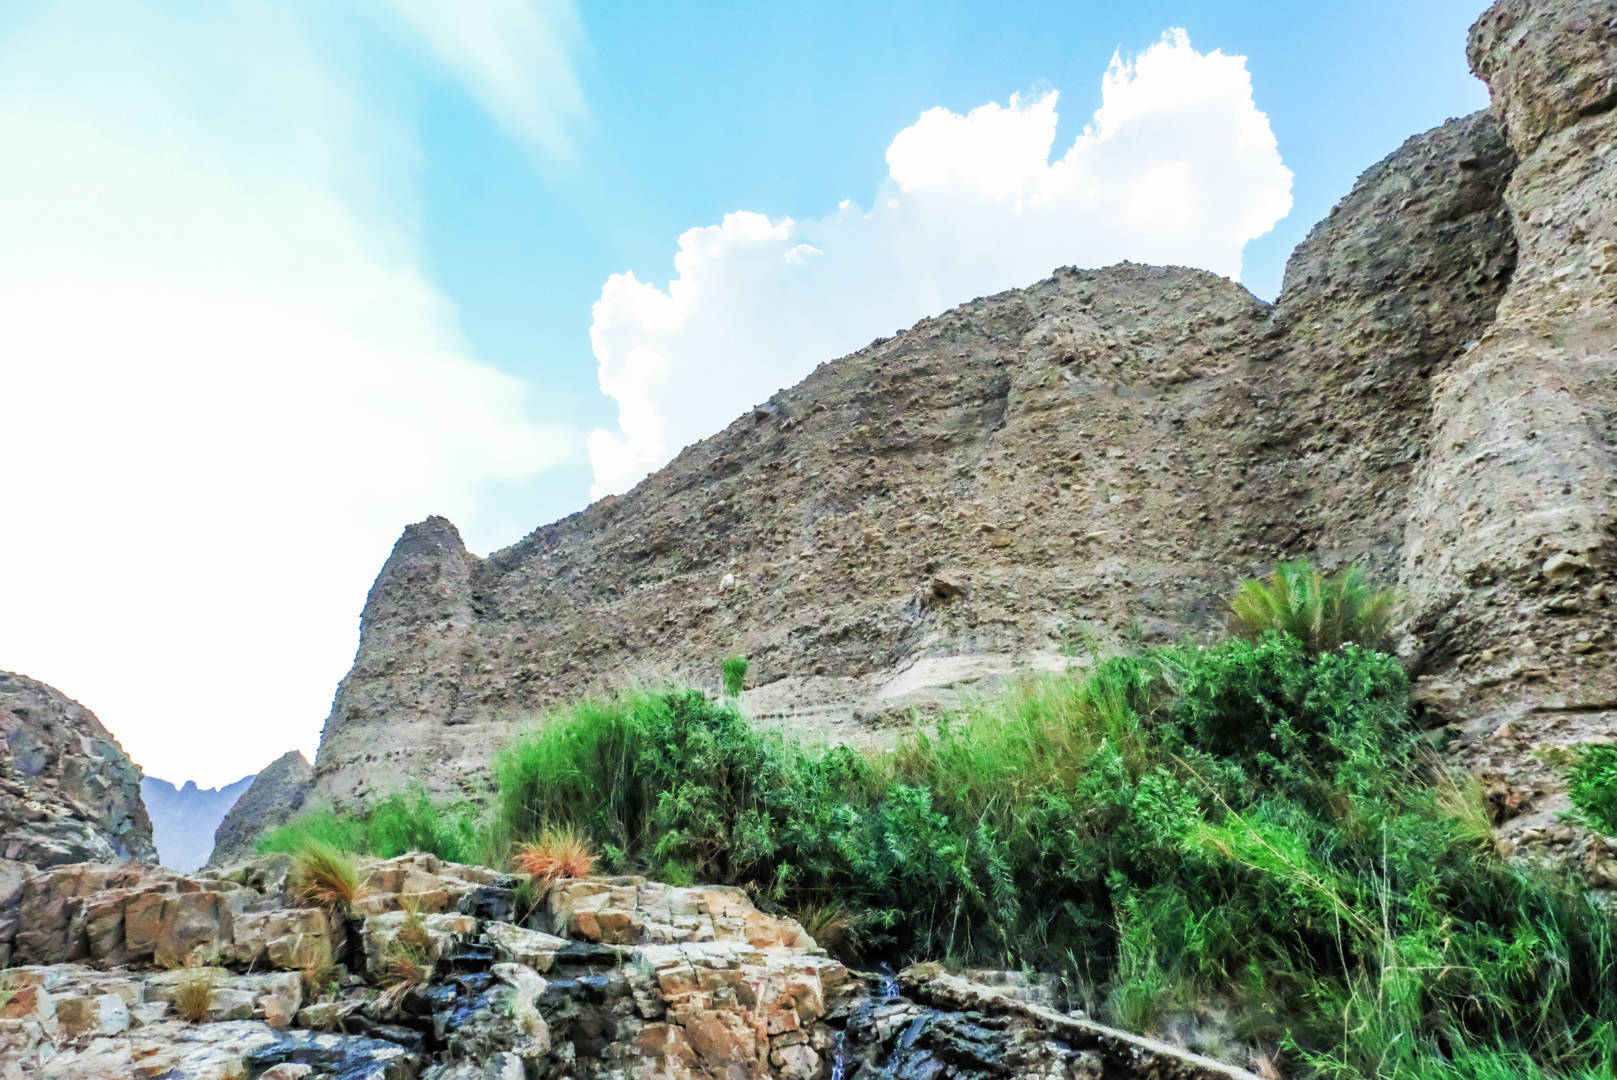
68 792
1101 453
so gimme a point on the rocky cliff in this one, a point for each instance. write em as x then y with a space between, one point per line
1104 453
275 795
184 818
68 792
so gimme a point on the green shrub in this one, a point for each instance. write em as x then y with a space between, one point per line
402 822
734 673
1321 610
1592 784
1251 827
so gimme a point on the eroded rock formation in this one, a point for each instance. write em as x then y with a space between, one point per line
275 795
1106 452
68 792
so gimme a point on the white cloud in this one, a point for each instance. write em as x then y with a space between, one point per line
1177 166
514 55
226 381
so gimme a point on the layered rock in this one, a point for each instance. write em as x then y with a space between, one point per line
68 792
1101 454
276 793
130 971
640 979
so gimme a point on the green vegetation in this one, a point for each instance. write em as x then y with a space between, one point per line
397 824
734 675
1592 785
1251 826
1321 610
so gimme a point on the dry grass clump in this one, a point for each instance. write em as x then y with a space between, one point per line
193 994
324 876
558 854
833 926
406 962
317 969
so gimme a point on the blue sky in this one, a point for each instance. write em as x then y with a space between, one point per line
278 278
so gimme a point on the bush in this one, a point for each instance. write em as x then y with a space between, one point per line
1250 827
1323 611
402 822
1592 784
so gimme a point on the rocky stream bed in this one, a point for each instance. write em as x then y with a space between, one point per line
608 977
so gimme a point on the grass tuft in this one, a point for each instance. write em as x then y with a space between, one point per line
324 876
734 674
558 854
193 993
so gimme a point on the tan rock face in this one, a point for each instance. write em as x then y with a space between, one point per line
696 982
1104 450
1508 555
276 794
68 792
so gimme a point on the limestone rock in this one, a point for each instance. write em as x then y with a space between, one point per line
68 792
277 793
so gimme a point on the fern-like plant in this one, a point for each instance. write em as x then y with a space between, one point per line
734 672
1321 610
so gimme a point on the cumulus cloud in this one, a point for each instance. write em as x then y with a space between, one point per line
1177 166
226 381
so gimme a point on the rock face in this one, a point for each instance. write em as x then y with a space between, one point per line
132 971
648 981
1508 556
275 795
68 792
1105 453
184 818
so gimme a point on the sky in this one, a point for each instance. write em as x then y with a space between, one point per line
278 278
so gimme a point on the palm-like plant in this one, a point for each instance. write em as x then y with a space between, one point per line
1321 610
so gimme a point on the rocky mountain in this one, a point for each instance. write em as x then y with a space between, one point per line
184 818
1105 453
68 792
275 795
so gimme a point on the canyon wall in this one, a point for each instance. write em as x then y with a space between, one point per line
1101 456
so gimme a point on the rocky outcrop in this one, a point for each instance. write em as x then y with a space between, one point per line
1508 558
1103 453
184 818
68 792
640 979
276 794
610 978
